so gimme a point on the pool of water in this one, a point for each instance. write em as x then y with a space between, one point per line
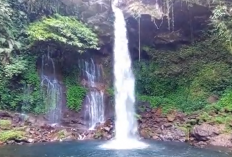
94 149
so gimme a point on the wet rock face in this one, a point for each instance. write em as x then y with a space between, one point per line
161 32
224 140
102 131
4 114
152 125
212 135
177 126
18 129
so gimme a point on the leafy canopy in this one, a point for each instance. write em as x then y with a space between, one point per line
12 24
221 20
63 29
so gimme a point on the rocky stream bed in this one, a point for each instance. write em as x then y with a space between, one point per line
175 126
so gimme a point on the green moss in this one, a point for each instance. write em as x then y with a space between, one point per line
10 134
22 128
204 117
5 124
61 134
110 91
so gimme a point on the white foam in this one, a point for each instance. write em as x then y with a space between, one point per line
126 144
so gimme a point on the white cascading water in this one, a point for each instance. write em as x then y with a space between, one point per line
95 111
95 98
51 89
126 123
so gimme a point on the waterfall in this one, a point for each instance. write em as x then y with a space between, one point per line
26 97
51 89
94 103
126 123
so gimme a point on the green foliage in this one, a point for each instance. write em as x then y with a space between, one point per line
10 134
8 29
75 96
48 7
220 118
221 20
212 78
24 94
12 60
61 134
75 93
150 82
65 30
12 23
225 103
185 78
16 67
5 124
156 101
31 96
110 91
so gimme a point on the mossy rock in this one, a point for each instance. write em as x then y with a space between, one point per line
10 135
5 124
61 134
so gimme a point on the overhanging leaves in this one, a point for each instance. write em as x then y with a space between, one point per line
66 30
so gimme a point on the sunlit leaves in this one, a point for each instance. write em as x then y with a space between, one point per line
221 20
66 30
15 67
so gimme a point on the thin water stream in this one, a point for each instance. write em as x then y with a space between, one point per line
51 89
94 103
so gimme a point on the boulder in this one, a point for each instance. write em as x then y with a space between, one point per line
205 131
145 133
222 140
5 114
171 117
212 99
173 134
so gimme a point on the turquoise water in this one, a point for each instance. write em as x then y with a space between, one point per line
93 149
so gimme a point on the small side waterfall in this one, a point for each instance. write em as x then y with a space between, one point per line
94 103
51 89
27 90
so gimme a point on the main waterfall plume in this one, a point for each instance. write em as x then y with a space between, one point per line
126 123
